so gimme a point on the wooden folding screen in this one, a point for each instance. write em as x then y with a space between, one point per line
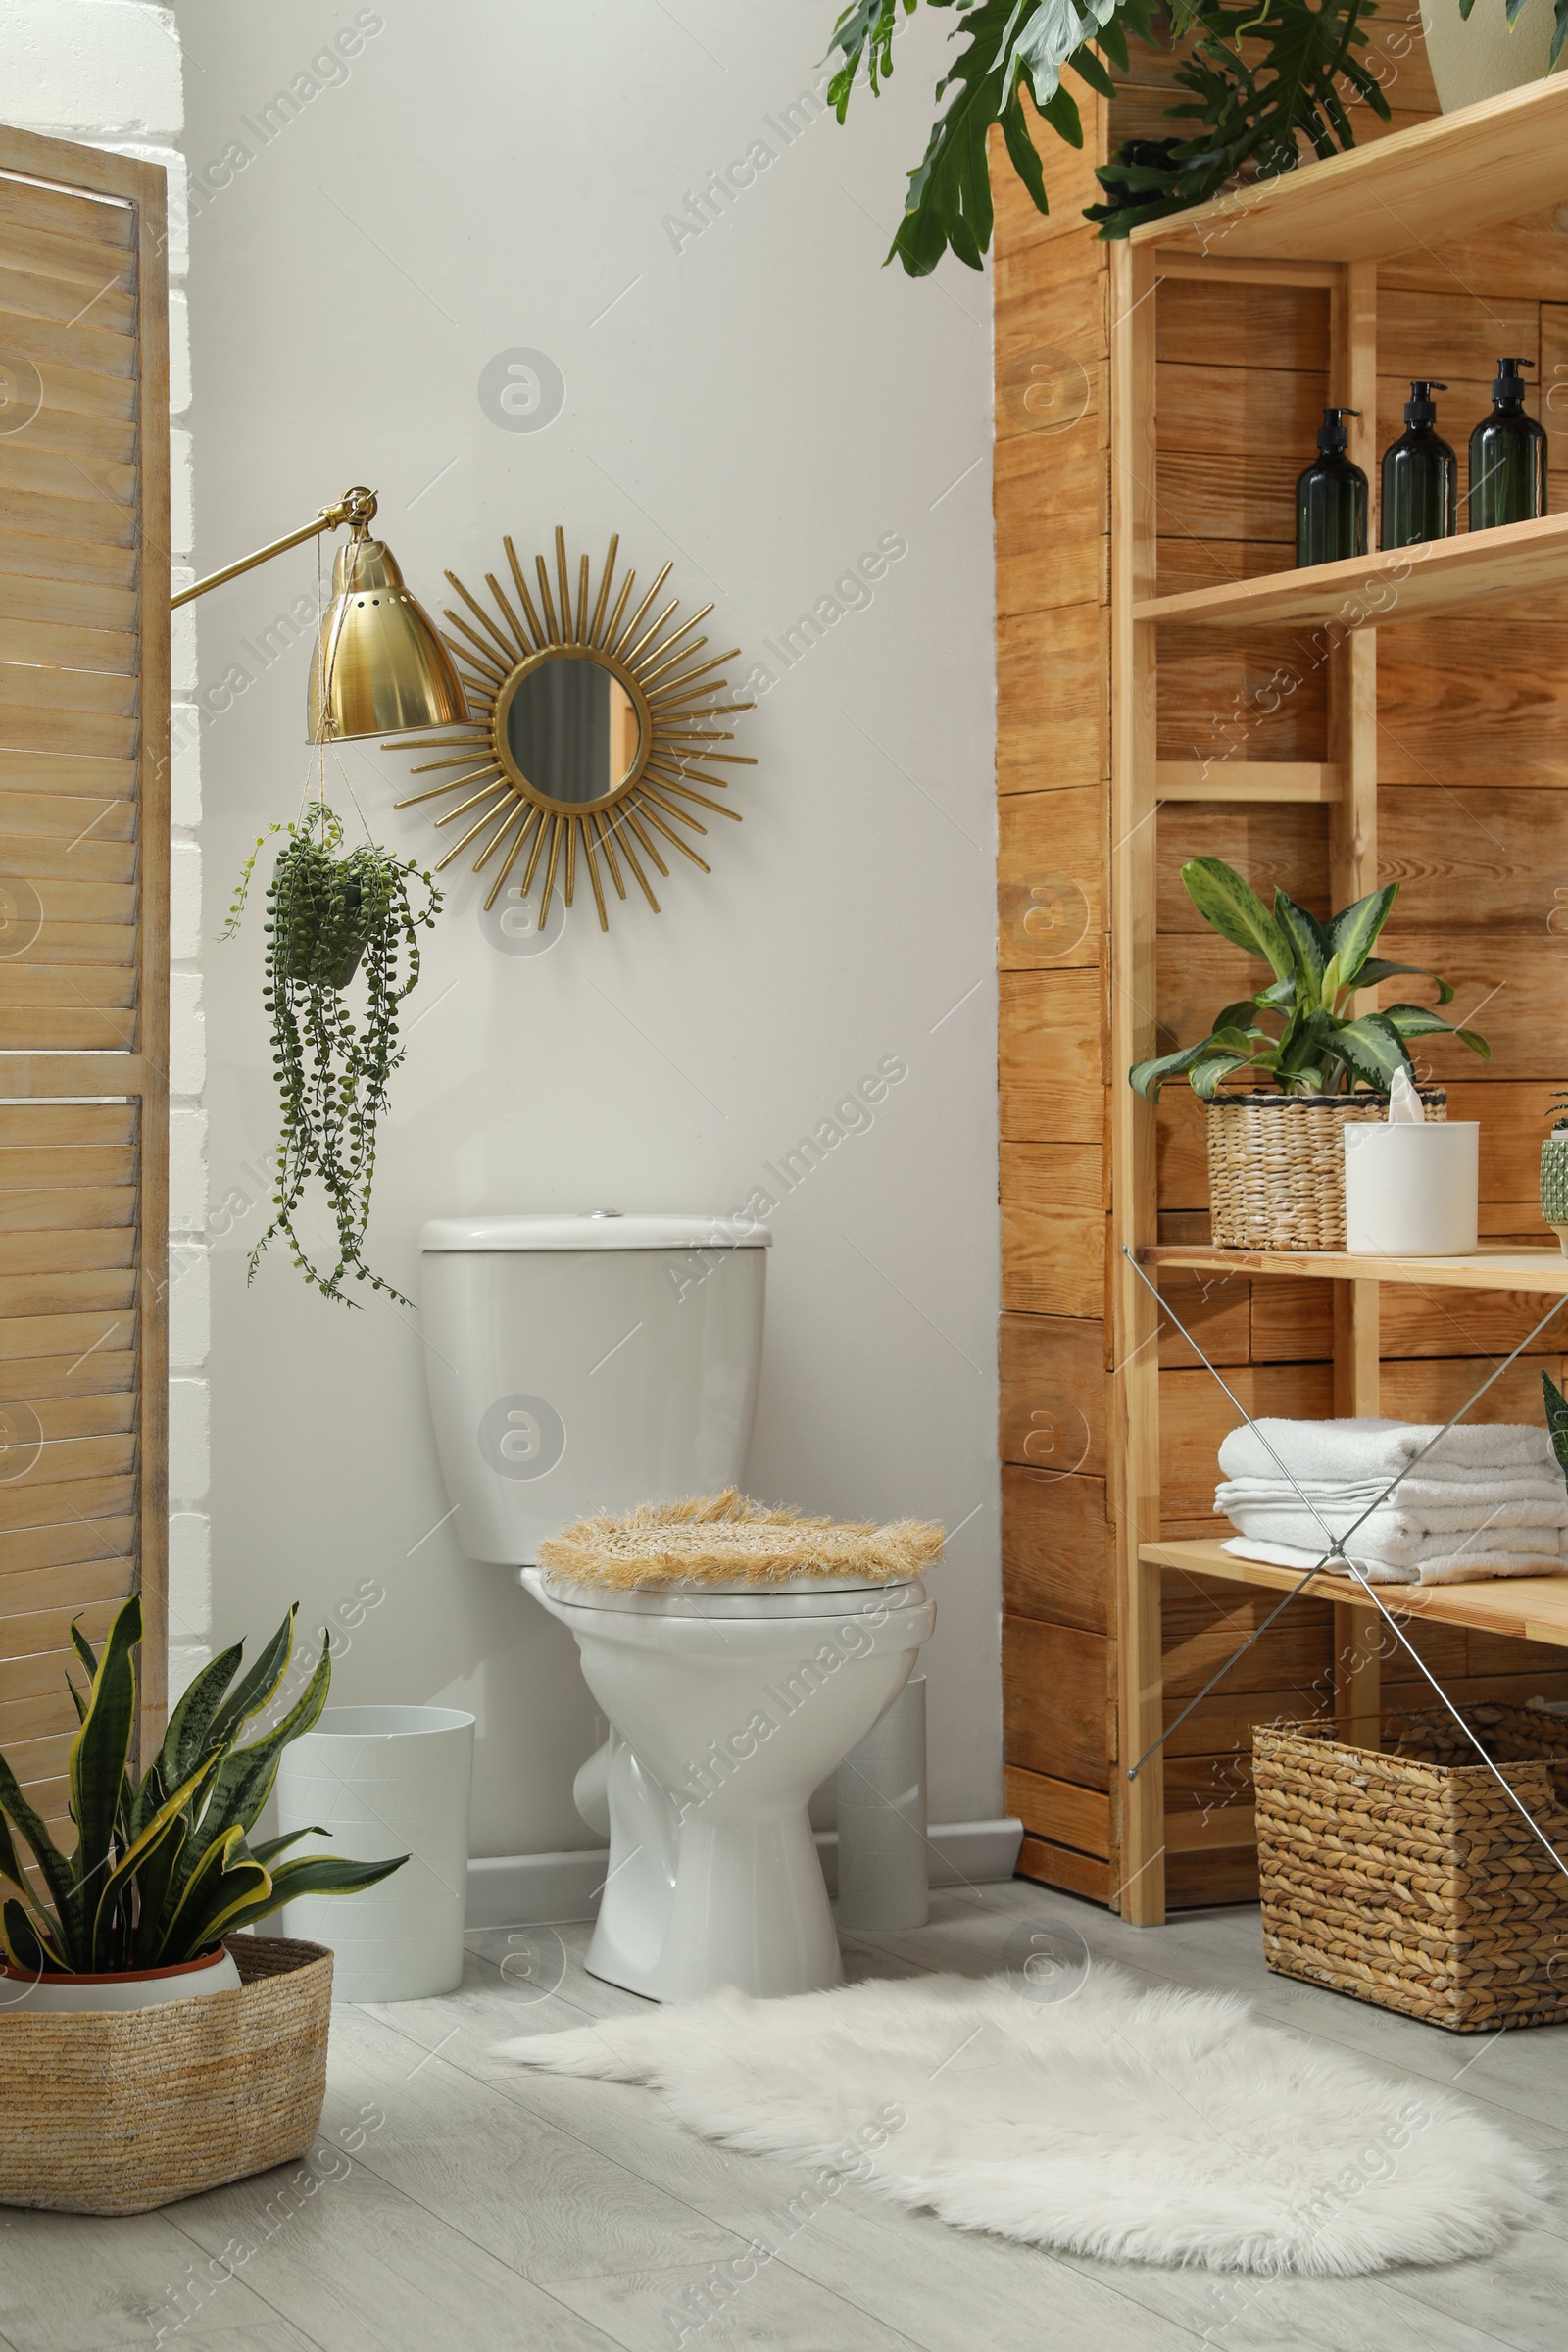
83 927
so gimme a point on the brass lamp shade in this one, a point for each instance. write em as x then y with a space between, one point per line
379 664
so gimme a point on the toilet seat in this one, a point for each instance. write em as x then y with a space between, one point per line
798 1596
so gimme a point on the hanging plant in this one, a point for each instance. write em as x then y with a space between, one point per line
328 918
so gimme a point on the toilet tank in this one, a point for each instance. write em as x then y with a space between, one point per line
586 1363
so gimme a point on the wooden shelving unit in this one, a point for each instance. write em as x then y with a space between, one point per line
1386 590
1543 1270
1150 542
1521 1608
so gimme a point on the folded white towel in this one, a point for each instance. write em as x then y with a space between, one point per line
1454 1568
1366 1448
1401 1537
1543 1488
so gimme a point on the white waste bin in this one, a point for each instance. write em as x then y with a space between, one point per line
385 1780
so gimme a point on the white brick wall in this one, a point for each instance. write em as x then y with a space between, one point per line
109 72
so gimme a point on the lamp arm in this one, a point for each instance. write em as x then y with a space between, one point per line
356 506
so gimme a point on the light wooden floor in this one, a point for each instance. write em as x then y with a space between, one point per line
461 2203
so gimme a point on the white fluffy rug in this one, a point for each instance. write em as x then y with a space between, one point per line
1141 2126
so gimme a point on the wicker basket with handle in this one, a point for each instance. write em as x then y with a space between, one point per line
1276 1165
121 2111
1411 1880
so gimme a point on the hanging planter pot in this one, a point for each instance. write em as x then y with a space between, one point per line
1491 49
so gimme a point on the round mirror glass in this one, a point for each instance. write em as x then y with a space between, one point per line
573 730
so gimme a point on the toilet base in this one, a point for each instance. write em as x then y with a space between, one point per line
694 1902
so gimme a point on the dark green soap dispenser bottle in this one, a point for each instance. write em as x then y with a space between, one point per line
1420 477
1331 497
1508 455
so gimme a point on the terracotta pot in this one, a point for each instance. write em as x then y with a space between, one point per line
1481 56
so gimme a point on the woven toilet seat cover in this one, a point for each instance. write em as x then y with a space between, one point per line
726 1542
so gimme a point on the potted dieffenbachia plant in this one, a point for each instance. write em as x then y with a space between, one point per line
164 1867
1282 1070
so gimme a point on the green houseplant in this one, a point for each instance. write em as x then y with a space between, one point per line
1246 112
164 1868
328 917
1322 1044
1276 1168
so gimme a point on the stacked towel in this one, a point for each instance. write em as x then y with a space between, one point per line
1480 1501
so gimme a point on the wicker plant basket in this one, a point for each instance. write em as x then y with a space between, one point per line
1409 1880
1276 1165
121 2111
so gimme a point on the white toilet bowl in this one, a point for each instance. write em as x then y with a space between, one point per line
729 1707
591 1363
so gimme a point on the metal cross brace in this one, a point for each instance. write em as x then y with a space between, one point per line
1337 1555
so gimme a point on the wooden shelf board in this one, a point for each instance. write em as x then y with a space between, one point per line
1383 589
1448 177
1526 1608
1542 1270
1262 781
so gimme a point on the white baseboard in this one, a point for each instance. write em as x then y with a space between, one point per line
513 1889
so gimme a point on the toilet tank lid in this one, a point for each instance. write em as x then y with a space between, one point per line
592 1230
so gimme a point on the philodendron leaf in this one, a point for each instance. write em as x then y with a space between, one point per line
1476 1041
1051 31
1353 933
1556 1419
1230 905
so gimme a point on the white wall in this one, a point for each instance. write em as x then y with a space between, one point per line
108 72
764 403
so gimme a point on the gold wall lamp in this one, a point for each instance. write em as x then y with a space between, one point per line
380 661
590 731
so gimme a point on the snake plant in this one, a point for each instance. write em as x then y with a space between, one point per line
1322 1044
163 1868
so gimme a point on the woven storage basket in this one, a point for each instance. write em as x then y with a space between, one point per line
119 2111
1411 1880
1276 1165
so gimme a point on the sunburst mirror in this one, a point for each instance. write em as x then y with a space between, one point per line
590 732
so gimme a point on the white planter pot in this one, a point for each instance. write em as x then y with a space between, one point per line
386 1781
1481 57
69 1997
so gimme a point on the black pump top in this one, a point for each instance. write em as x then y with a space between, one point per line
1331 437
1421 408
1508 388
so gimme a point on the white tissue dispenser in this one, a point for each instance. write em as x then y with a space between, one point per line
1412 1189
